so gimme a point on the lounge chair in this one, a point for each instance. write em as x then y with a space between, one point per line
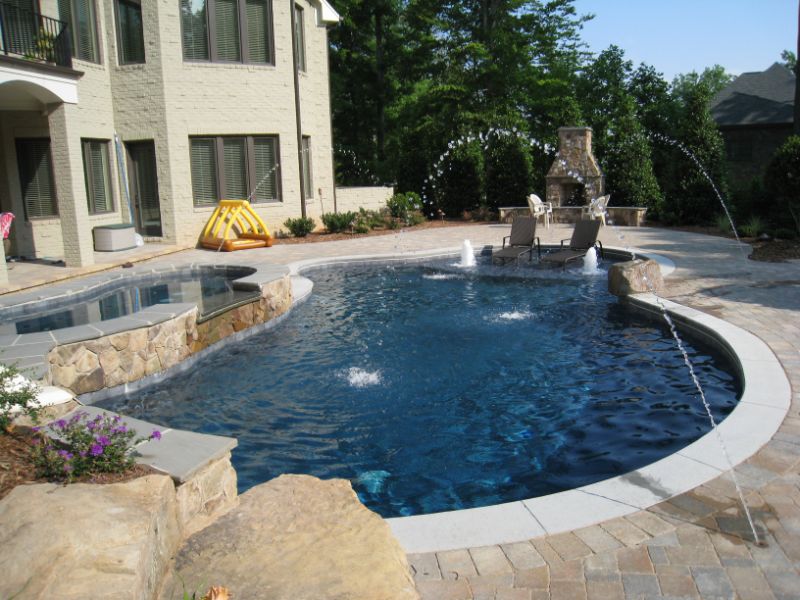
540 209
596 209
584 236
521 241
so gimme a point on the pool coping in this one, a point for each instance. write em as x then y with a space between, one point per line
761 409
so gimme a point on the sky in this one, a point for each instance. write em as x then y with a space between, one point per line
680 36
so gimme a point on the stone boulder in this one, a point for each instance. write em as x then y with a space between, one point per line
634 277
294 538
87 541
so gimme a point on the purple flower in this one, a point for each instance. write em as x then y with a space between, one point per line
36 429
67 467
120 429
156 435
64 454
96 450
61 423
82 453
102 440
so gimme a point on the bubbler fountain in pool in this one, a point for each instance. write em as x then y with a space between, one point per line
467 255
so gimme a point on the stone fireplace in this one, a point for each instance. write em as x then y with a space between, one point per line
574 178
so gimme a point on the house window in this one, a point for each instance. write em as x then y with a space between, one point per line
130 32
227 30
97 176
306 150
300 38
80 14
228 167
36 178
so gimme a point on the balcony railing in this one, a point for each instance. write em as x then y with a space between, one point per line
33 36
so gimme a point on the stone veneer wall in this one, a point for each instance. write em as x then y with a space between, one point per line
113 360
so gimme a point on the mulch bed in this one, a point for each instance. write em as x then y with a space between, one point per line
331 237
17 468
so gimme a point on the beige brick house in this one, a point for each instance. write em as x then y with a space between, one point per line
181 102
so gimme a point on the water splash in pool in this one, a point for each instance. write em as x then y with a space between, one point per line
590 263
467 255
514 315
362 378
441 276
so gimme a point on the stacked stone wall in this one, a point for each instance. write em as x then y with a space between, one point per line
124 357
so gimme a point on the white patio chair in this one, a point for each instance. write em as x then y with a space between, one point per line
596 209
540 209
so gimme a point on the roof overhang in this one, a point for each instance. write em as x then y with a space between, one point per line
327 14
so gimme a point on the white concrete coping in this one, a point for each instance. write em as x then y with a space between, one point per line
761 409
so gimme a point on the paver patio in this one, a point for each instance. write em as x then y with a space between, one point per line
694 545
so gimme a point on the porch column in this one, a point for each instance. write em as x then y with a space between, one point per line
65 145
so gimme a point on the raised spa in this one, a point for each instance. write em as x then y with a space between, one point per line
435 388
211 288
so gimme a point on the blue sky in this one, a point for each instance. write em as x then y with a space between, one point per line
679 36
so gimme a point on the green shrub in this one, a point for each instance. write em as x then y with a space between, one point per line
401 205
337 222
722 223
415 218
301 226
783 182
101 444
753 227
508 174
17 395
460 185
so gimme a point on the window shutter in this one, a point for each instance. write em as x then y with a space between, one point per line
36 178
300 37
204 171
95 165
83 29
258 42
227 23
195 29
235 168
307 184
266 175
131 33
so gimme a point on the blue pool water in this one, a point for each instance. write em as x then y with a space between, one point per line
211 288
434 389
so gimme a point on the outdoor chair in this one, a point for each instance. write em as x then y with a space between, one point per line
521 241
541 209
596 209
584 236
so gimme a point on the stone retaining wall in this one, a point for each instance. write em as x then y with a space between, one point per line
113 360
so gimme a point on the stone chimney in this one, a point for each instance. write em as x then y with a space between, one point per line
574 178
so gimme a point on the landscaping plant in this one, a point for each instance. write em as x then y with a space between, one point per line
84 445
338 222
17 394
753 227
300 227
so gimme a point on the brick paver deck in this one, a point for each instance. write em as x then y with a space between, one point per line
696 545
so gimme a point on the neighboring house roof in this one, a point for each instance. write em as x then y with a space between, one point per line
762 98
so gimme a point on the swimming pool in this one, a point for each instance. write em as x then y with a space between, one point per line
433 388
211 288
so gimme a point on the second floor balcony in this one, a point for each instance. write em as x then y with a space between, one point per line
31 36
